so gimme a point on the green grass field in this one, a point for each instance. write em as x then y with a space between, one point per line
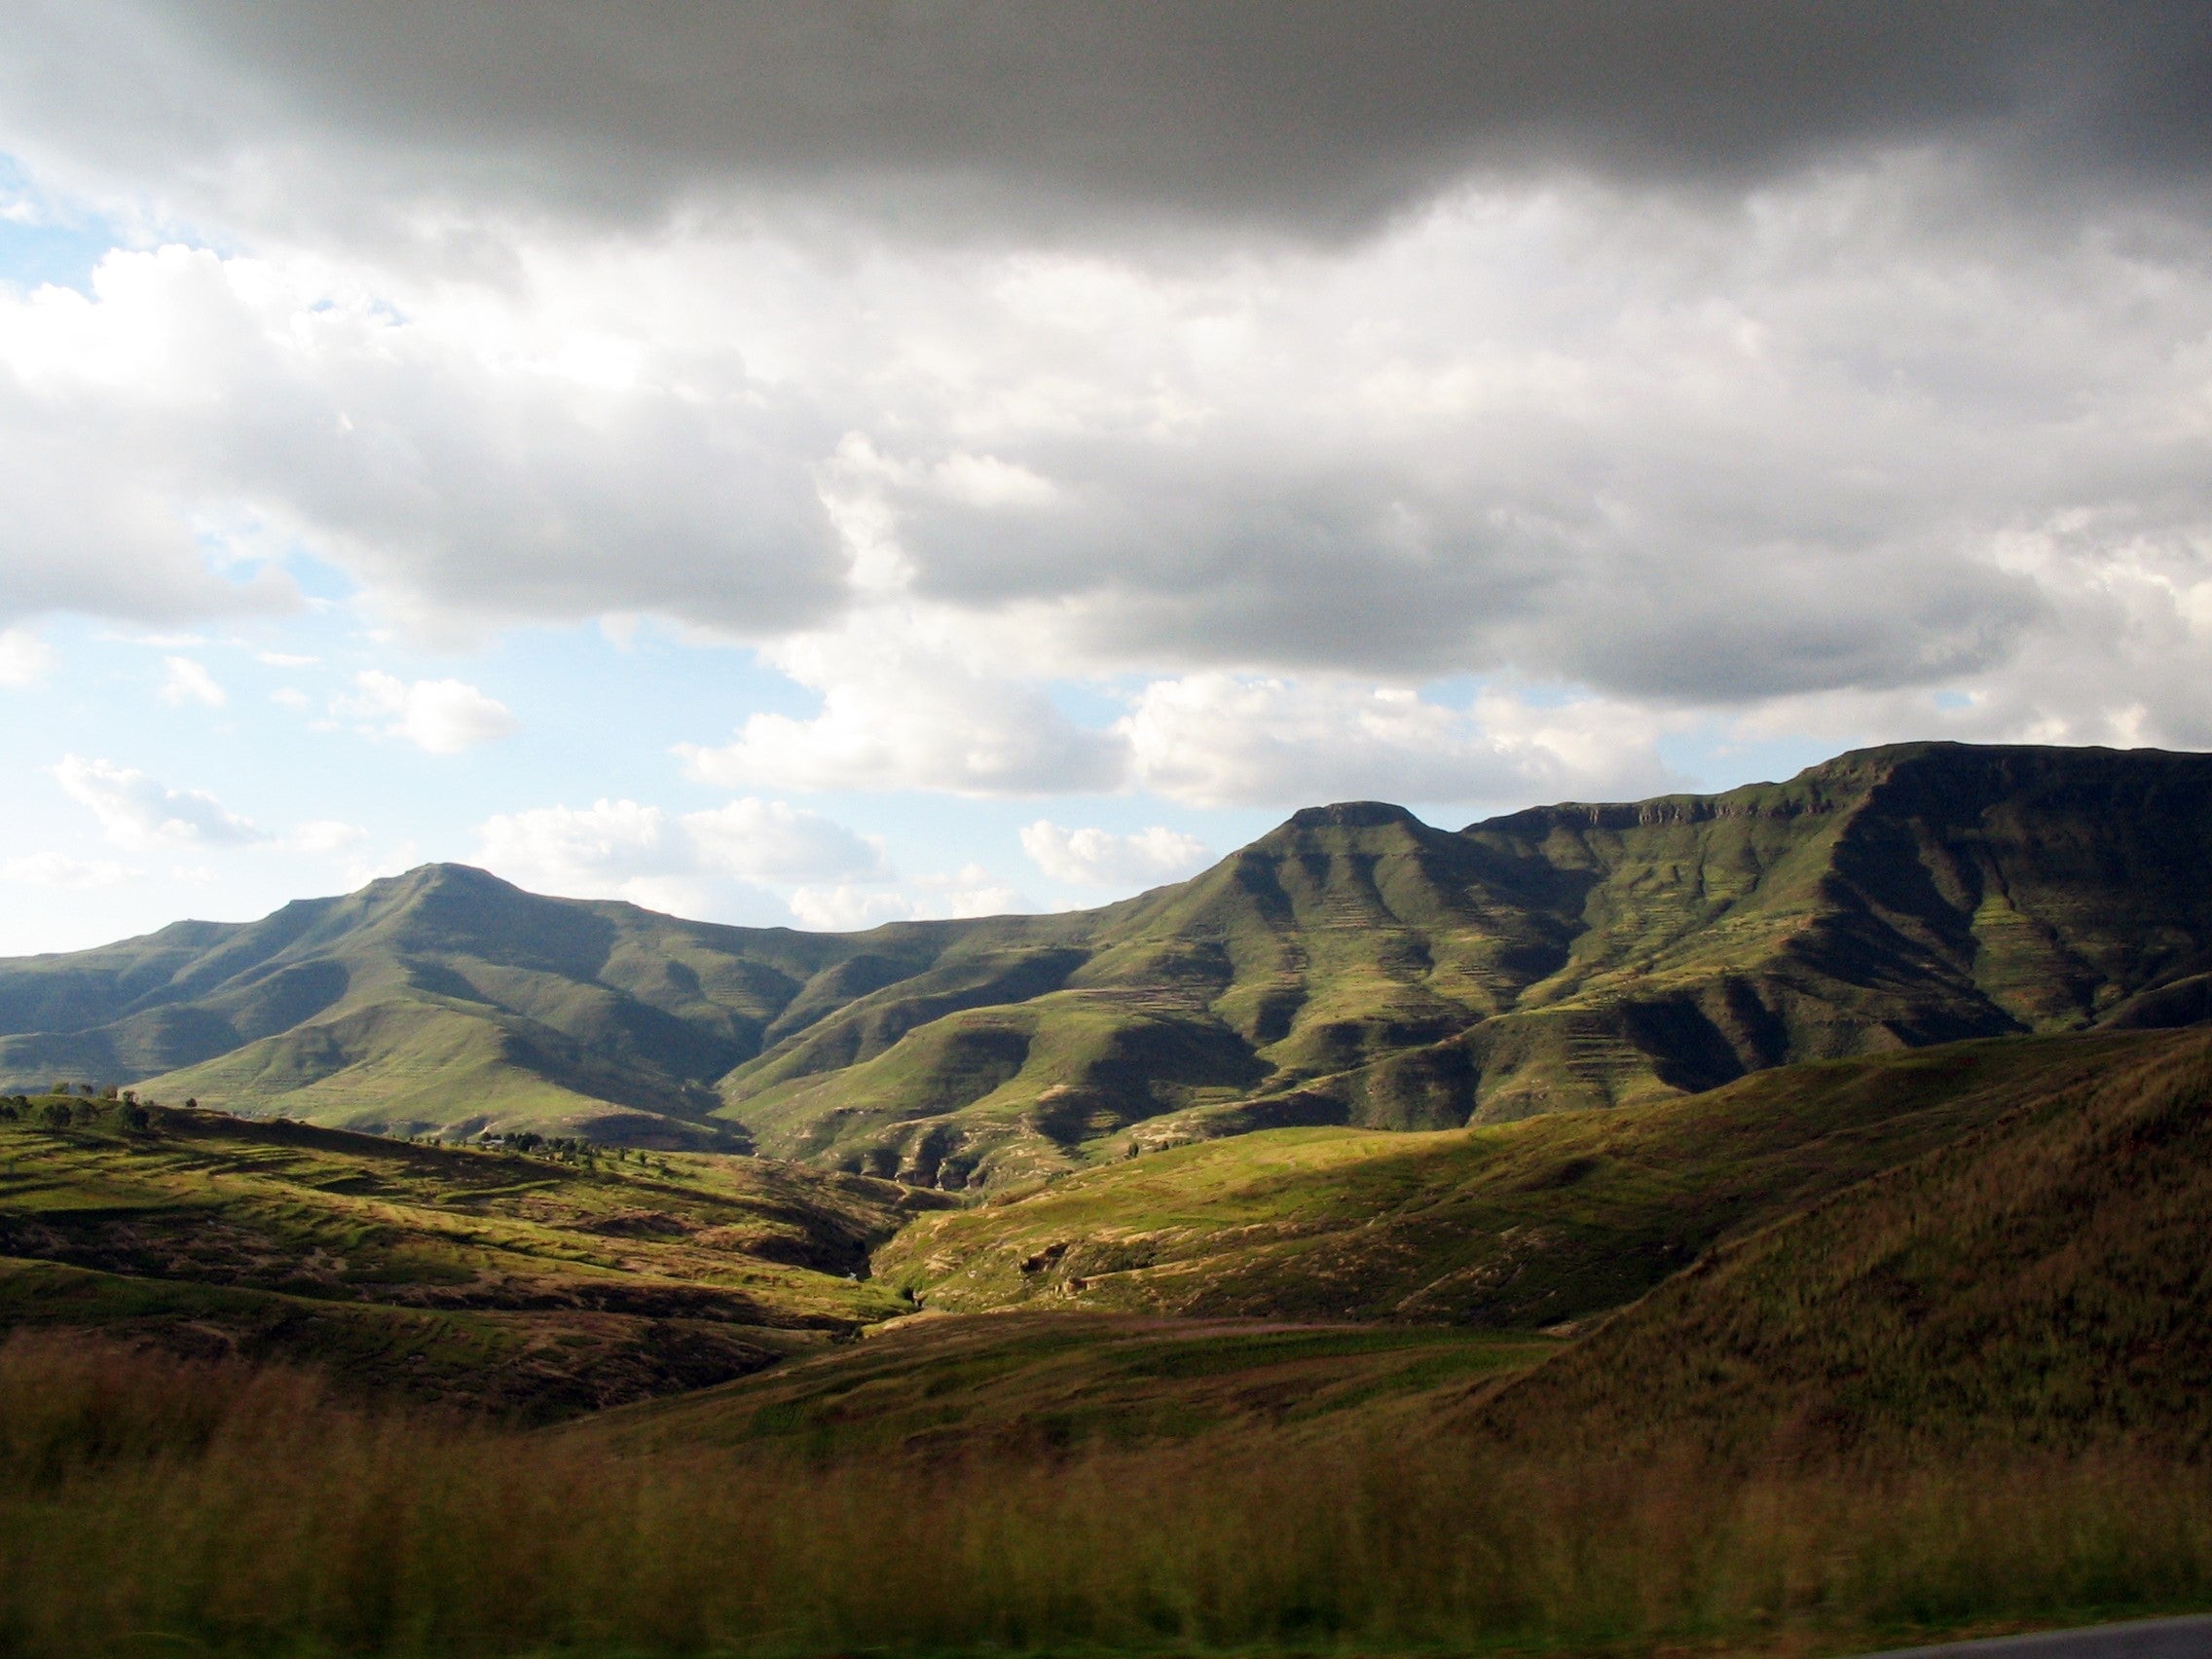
535 1283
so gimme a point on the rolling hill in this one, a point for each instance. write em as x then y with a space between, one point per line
1355 967
1025 1384
541 1283
2040 1282
1534 1224
444 1001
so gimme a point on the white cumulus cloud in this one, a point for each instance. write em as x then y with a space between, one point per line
187 681
324 836
1229 740
690 862
25 657
1099 858
138 813
846 908
969 891
443 716
770 840
901 712
58 870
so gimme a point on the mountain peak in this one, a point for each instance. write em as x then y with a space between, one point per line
440 874
1353 815
427 878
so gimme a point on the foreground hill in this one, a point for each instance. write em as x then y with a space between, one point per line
1894 1344
2042 1281
1533 1224
1353 967
542 1284
1028 1383
1997 1239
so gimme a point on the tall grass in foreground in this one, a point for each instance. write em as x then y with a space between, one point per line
148 1505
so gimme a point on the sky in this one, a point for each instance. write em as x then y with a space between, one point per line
817 464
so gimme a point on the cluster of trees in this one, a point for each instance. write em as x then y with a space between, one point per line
81 1107
565 1149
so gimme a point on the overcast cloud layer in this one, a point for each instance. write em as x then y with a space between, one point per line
1218 406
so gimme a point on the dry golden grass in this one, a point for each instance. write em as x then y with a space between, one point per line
152 1505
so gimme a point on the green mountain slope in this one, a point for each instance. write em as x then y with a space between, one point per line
526 1283
1353 967
1358 967
441 1000
1531 1224
2046 1279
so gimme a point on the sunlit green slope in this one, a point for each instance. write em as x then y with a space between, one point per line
1530 1224
536 1282
442 1000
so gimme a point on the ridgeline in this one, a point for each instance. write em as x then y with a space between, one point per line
1353 967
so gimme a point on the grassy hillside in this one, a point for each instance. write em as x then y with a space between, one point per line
1034 1384
444 1000
1942 1369
1358 967
534 1282
1353 967
2045 1279
1527 1225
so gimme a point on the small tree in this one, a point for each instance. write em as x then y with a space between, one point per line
57 1114
192 1102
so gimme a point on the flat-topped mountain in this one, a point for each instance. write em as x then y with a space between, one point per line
1352 966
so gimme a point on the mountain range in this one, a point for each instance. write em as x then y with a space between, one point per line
1355 966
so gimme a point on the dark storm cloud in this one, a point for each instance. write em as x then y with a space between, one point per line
1307 114
1692 355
